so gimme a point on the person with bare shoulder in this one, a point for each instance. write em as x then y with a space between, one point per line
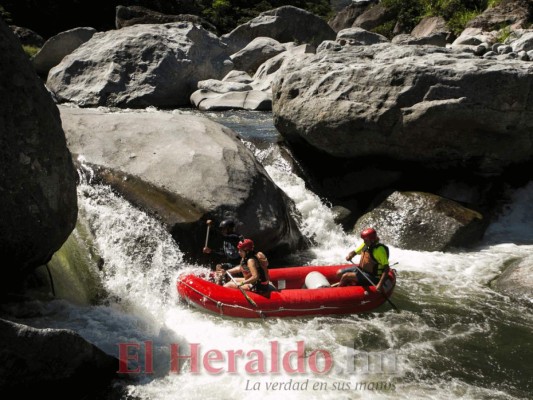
253 267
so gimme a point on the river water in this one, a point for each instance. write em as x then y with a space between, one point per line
455 338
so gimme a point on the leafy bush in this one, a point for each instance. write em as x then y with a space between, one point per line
493 3
30 50
385 29
503 34
459 20
408 14
455 12
6 16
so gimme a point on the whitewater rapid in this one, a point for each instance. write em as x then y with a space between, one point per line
448 341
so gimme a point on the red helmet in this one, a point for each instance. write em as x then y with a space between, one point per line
369 233
246 245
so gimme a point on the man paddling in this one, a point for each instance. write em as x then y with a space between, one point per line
230 240
374 262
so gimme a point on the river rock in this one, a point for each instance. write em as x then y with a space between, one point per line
421 104
506 13
58 46
435 39
429 26
51 362
360 36
524 43
285 24
38 203
251 100
346 17
256 53
238 91
27 37
373 16
184 169
516 280
423 222
139 66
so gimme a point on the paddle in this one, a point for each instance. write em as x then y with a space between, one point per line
207 235
371 283
253 303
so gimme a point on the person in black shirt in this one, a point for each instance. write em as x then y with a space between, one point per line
228 250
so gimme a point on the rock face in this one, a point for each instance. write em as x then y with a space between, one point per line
515 13
360 36
423 222
517 279
373 16
238 90
132 15
38 203
51 362
140 66
418 104
58 46
346 17
256 53
184 169
285 24
27 36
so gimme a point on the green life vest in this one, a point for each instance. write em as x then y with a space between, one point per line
378 268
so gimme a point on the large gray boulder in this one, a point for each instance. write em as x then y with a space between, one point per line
139 66
523 43
516 280
252 93
58 46
373 16
51 362
38 203
285 24
507 13
345 18
27 37
412 103
256 53
184 169
251 100
423 222
360 36
434 30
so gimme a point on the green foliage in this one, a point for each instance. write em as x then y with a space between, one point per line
503 34
408 14
449 9
30 50
458 21
6 16
493 3
385 29
455 12
221 5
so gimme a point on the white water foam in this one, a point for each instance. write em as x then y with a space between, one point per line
142 263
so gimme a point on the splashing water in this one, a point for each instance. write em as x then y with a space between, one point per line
454 338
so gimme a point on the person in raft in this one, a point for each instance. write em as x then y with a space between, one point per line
230 240
374 262
254 269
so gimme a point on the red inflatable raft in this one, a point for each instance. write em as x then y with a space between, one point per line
296 291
